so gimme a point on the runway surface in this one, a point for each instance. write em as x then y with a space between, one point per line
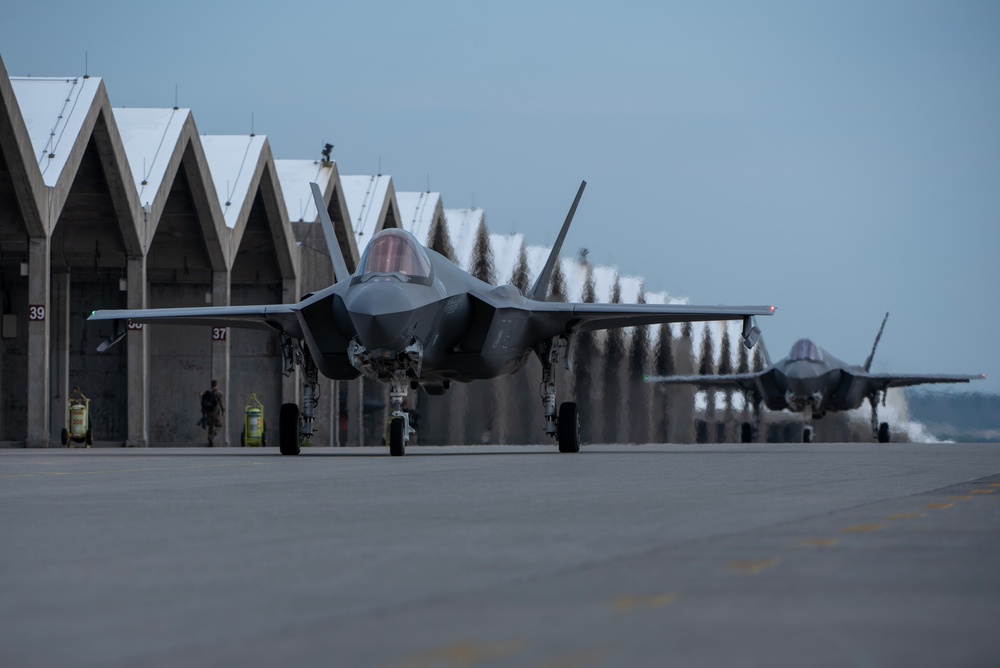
656 555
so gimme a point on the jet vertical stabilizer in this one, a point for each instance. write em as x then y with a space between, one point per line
336 256
541 287
871 356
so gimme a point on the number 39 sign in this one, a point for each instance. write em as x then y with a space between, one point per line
36 312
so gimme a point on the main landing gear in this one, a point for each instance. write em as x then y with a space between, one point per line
879 430
295 427
749 431
564 425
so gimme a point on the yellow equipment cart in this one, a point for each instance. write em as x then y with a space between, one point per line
253 423
78 419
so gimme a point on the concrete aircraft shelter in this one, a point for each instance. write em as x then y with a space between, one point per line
132 208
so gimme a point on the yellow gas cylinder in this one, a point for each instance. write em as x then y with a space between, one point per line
253 418
78 421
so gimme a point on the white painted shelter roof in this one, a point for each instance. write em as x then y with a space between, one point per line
149 137
462 226
365 196
232 160
54 110
294 176
417 213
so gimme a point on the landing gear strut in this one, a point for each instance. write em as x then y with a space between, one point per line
293 427
879 431
564 425
399 429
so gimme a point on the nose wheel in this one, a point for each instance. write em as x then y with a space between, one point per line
399 429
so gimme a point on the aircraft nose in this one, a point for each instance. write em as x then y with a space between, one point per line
380 313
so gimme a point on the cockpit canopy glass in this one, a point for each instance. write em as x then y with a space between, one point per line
804 349
395 252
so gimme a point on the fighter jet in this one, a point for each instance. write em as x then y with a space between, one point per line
411 318
811 380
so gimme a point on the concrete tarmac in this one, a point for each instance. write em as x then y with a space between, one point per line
655 555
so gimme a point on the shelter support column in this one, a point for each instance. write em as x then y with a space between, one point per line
137 358
60 333
38 343
222 296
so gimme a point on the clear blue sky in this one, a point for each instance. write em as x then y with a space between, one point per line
837 159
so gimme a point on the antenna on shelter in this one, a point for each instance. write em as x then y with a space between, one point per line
175 98
251 125
380 165
86 65
428 181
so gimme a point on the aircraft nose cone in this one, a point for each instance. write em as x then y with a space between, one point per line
380 313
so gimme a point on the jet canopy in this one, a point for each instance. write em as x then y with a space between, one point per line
804 349
395 251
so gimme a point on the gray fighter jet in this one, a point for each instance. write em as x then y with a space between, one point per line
811 380
410 318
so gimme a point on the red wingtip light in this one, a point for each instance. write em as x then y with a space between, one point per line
773 308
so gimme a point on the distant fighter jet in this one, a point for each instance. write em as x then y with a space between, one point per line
410 318
811 380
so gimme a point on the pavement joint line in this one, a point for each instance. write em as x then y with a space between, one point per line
42 474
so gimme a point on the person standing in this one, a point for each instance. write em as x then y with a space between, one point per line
212 410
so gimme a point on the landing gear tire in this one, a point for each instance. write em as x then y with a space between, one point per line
807 435
568 428
89 439
64 436
883 432
397 437
288 430
746 433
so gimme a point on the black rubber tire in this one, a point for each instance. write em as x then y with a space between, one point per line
883 432
243 438
64 436
288 430
397 442
746 433
807 435
568 428
89 440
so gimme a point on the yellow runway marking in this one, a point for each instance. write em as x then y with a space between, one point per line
462 653
982 491
906 516
751 567
994 484
963 497
627 602
938 506
819 542
863 528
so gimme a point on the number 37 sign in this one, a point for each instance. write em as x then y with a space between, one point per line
219 333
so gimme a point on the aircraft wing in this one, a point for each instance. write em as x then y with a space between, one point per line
271 317
577 317
743 381
884 381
